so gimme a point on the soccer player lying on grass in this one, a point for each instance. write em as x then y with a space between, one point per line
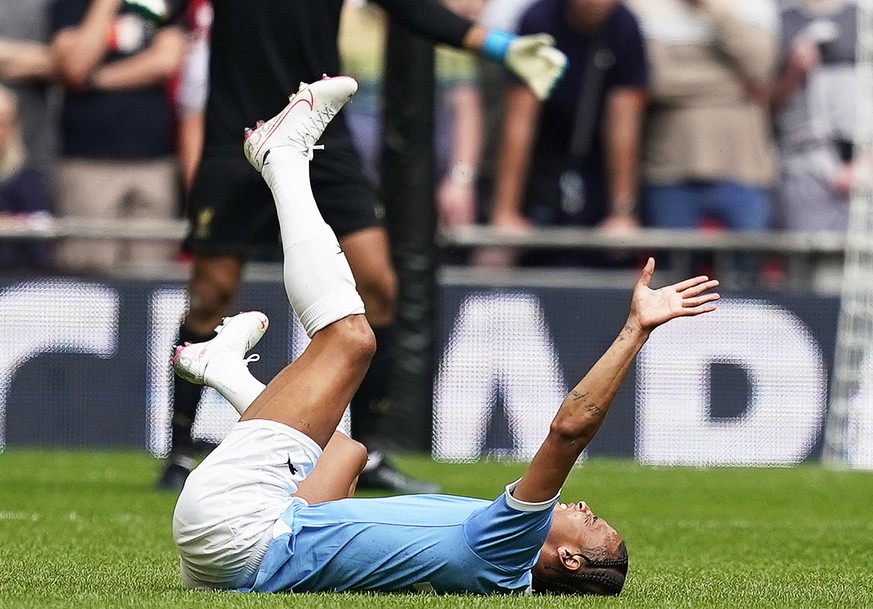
268 510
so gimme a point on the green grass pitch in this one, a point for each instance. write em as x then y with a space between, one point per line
84 530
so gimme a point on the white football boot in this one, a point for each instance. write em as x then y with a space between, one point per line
302 121
235 336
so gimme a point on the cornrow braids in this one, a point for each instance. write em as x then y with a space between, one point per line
603 577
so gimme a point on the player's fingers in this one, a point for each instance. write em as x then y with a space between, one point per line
690 283
542 39
699 300
705 308
694 290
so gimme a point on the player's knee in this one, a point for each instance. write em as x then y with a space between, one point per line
357 338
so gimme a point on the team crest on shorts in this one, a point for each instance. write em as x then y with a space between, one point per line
204 223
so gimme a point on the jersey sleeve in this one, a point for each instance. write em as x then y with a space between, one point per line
429 19
509 533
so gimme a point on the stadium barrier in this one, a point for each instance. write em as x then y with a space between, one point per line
85 362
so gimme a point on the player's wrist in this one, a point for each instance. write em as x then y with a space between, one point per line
496 45
623 207
463 174
634 329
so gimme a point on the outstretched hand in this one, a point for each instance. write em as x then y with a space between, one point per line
651 308
537 62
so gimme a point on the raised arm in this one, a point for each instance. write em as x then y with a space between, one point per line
25 60
153 65
456 196
80 49
622 134
533 58
584 409
520 123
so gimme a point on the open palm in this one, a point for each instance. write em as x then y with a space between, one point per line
651 308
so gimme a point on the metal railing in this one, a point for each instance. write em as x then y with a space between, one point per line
45 227
810 260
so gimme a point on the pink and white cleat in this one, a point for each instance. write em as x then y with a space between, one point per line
302 121
235 335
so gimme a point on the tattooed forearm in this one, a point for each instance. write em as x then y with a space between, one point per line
591 407
626 330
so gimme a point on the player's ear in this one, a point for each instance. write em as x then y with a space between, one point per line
570 560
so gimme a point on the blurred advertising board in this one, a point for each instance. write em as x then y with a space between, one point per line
86 363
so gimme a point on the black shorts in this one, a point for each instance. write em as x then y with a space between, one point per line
231 207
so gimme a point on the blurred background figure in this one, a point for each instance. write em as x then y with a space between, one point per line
499 15
27 67
192 88
118 135
573 159
459 126
814 107
708 153
459 112
23 190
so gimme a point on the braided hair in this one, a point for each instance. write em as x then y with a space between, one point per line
601 576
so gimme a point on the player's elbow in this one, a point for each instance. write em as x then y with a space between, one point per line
571 431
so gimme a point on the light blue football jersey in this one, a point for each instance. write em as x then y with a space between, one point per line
418 542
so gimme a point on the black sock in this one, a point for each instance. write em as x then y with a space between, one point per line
186 396
371 402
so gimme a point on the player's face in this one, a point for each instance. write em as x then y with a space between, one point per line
589 14
577 528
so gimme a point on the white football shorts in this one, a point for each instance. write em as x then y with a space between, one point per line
224 517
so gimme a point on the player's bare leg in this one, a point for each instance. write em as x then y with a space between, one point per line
311 394
369 256
220 363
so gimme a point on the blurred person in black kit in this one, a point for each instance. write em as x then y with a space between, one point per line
260 52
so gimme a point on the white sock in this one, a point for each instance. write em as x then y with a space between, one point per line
228 374
318 280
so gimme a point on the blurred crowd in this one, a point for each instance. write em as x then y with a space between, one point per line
685 114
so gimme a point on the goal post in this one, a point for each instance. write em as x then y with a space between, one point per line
848 434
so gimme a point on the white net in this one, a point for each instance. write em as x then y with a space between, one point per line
849 430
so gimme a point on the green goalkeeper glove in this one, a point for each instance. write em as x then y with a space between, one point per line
533 58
